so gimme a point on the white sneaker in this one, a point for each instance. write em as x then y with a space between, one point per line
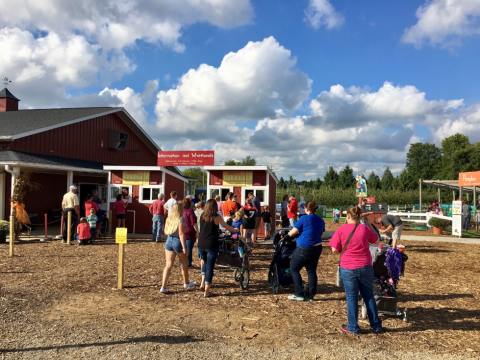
190 284
163 290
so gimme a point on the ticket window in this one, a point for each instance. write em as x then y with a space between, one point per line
220 191
259 193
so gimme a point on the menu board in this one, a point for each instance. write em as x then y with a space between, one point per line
136 177
237 178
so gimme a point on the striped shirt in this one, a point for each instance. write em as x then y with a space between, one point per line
92 221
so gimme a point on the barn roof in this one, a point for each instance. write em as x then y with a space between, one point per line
5 93
14 123
20 158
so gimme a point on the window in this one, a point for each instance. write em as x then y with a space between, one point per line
117 189
257 192
148 194
214 192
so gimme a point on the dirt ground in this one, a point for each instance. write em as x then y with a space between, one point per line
61 302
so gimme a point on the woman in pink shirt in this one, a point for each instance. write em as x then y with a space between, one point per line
356 268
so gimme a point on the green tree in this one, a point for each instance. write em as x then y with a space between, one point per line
281 183
424 161
248 161
387 179
404 182
331 178
453 156
346 180
317 183
373 182
196 173
290 181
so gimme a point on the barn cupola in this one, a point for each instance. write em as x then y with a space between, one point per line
8 102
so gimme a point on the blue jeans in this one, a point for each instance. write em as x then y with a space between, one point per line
360 280
466 222
157 227
209 257
335 218
173 244
305 257
190 244
292 221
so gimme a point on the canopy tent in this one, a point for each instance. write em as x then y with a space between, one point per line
449 185
201 190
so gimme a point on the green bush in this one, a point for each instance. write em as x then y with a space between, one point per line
439 223
4 226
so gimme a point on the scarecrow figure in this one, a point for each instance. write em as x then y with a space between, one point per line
361 186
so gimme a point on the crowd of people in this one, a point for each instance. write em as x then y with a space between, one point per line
189 222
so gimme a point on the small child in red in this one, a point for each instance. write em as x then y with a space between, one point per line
83 230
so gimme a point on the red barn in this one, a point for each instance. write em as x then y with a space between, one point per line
61 147
241 180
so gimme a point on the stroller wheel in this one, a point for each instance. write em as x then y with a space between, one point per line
364 311
274 282
405 315
237 275
244 279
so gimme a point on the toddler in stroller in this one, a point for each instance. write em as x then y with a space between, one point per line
388 266
279 272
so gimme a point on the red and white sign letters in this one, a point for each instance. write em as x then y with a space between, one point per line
186 158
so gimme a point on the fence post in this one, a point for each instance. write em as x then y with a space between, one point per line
12 233
69 227
61 225
46 232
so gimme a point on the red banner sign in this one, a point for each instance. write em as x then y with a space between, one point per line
186 158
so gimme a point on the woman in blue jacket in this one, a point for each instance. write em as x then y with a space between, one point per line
309 248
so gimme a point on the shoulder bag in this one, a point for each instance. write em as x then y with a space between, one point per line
339 279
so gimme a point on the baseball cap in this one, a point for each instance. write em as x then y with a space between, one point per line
73 187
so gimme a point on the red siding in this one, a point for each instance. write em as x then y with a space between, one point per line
8 196
8 105
216 176
100 179
156 176
259 178
237 190
117 177
83 140
174 184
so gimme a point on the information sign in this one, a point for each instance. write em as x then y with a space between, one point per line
457 208
457 218
186 158
136 177
121 236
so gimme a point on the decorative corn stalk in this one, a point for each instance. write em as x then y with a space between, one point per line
21 185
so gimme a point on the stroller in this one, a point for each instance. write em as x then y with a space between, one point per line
385 287
279 272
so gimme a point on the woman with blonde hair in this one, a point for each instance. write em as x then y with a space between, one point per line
352 241
176 244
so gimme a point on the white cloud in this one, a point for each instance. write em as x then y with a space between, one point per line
343 108
249 84
119 23
443 22
321 13
465 122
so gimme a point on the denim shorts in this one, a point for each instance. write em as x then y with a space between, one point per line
173 244
121 216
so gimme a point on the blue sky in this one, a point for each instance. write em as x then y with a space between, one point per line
284 92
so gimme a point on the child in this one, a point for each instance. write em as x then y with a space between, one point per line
238 222
83 230
92 221
229 219
267 219
336 215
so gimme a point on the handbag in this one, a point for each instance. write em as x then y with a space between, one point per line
339 279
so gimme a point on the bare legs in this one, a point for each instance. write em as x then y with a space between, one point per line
170 260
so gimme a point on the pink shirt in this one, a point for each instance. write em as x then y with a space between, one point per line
119 207
357 254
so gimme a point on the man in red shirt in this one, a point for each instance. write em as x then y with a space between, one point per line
229 205
292 210
158 211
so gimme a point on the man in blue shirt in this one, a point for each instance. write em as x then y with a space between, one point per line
309 248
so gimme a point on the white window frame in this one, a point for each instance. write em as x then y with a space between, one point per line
110 199
219 187
255 188
140 193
